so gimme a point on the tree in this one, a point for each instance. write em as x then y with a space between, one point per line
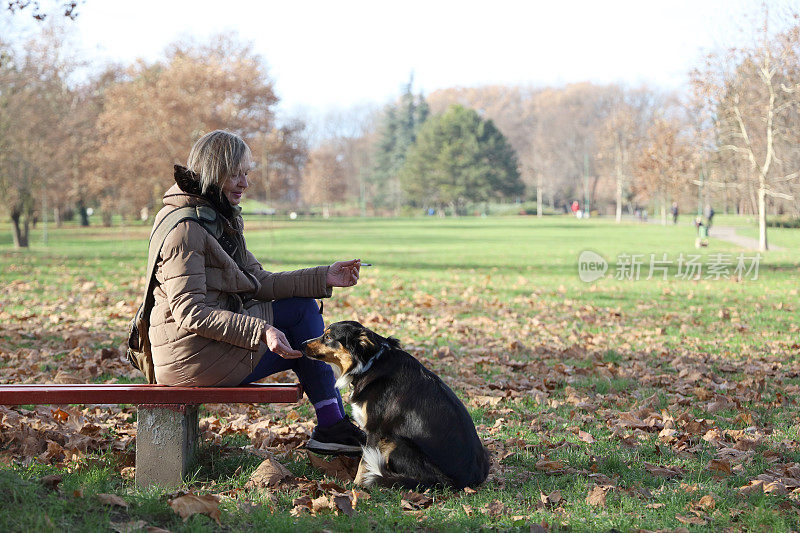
753 94
398 132
151 119
34 110
459 157
69 8
664 163
280 156
620 137
324 178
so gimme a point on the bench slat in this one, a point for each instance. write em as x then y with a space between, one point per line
61 394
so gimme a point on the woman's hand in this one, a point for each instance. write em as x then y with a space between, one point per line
277 343
343 273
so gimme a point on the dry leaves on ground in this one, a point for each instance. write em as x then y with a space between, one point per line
340 467
268 474
192 504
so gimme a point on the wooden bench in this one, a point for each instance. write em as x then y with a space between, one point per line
167 422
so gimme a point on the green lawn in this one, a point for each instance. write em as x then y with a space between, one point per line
577 388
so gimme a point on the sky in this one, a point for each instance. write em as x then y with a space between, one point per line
328 55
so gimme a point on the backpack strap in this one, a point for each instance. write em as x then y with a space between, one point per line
204 215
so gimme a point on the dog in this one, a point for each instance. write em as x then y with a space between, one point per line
419 434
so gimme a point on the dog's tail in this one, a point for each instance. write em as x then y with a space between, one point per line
415 474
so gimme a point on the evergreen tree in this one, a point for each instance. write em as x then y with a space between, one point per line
458 157
399 126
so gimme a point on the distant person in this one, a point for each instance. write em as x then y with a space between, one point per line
709 213
674 212
702 233
576 207
219 318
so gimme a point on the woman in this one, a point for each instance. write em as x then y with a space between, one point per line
219 318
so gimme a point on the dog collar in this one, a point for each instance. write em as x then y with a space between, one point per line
375 357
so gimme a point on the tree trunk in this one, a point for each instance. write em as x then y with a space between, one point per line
762 218
83 214
619 196
20 231
539 194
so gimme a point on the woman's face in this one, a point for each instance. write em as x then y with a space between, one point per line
234 188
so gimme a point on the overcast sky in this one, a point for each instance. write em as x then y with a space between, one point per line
337 54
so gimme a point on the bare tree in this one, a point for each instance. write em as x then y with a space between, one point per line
324 178
34 108
754 94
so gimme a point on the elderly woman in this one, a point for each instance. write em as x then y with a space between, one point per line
219 318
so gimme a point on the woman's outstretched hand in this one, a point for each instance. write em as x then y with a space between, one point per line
343 273
277 343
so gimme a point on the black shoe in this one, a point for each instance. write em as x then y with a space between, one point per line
343 437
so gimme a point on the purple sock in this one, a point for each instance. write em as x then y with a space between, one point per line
328 412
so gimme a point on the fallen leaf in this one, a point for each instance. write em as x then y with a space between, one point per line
268 474
191 504
662 471
51 481
550 466
340 467
597 496
359 495
755 486
343 503
112 499
776 487
720 466
707 502
494 508
693 520
486 401
414 500
552 499
300 505
544 527
320 504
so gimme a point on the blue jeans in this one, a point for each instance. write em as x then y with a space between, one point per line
299 319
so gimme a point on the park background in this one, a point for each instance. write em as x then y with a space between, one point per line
654 401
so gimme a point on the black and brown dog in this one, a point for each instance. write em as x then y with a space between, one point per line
418 432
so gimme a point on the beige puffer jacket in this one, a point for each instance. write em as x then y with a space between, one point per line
201 333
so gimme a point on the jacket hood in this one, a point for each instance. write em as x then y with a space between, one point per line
187 192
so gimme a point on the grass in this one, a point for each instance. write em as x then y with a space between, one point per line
496 307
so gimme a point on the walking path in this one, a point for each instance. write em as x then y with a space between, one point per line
728 233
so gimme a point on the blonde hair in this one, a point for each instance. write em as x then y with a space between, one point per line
218 155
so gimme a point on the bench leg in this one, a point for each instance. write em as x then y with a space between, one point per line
166 439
